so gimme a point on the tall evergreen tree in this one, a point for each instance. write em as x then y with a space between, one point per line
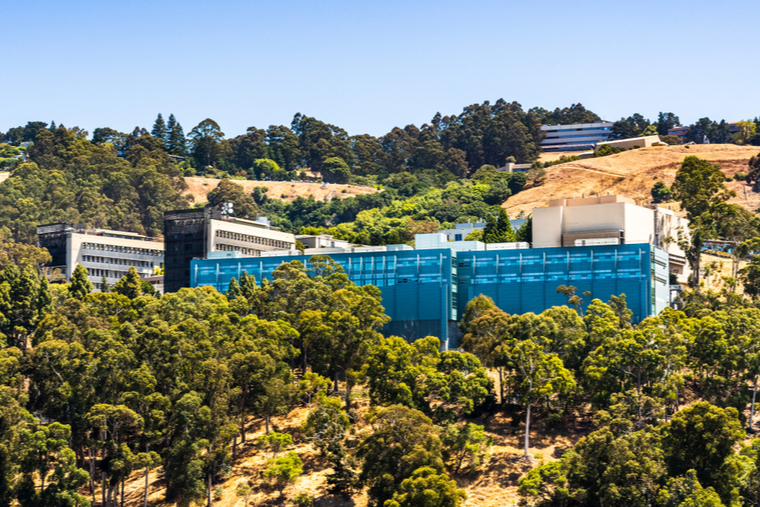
498 229
175 143
80 283
159 130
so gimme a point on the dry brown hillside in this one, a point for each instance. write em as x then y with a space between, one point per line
494 485
284 190
633 173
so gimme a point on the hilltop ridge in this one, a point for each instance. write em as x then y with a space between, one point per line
633 173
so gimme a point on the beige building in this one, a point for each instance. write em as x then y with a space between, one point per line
609 220
105 253
634 142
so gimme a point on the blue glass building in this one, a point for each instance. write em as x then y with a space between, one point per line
425 291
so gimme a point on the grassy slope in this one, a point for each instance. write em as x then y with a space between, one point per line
633 173
200 187
494 486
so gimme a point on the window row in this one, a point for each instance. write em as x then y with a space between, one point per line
108 273
256 240
121 262
250 252
123 249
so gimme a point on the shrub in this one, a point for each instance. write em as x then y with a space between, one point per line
303 500
553 420
608 150
284 470
740 176
275 442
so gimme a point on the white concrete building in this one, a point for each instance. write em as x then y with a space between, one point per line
610 219
103 252
576 137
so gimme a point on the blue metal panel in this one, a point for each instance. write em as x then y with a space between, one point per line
424 291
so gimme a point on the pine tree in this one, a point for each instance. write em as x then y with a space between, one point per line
175 143
498 229
52 126
80 283
104 287
129 285
159 130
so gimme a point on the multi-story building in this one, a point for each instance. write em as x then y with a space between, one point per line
580 136
104 253
194 233
426 290
610 220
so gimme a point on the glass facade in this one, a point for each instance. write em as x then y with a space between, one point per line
426 291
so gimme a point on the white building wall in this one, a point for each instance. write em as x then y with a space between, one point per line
111 257
246 237
547 227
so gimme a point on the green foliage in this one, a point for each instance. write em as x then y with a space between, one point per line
701 438
70 179
284 470
606 150
633 126
80 283
465 446
244 205
418 376
403 440
661 192
244 491
700 190
688 492
275 442
130 285
326 424
335 170
206 138
427 488
302 500
753 174
498 229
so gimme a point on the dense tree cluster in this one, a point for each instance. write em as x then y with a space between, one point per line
70 179
704 130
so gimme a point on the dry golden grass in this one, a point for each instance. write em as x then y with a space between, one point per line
200 187
494 485
633 173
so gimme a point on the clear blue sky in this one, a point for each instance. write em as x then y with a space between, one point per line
370 66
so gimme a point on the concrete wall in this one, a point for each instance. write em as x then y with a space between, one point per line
627 144
547 227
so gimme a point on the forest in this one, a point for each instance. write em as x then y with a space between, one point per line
98 389
102 389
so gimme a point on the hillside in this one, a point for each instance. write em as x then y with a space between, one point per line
283 190
495 484
633 173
